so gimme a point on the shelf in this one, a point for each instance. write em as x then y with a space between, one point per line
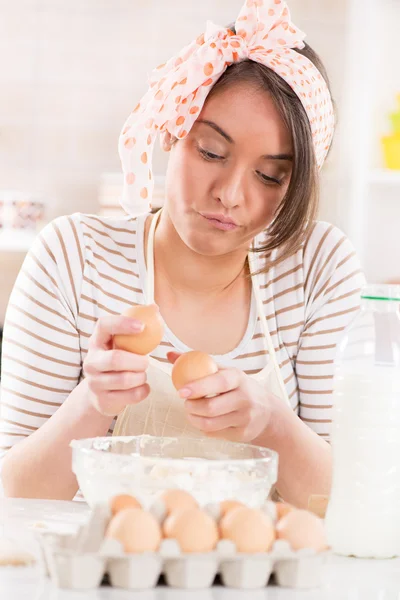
16 241
385 176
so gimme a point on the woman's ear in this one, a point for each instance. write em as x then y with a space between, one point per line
167 141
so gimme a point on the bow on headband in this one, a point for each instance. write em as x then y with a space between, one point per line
179 88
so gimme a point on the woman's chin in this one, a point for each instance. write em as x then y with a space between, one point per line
204 239
207 246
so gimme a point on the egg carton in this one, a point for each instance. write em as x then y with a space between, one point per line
80 562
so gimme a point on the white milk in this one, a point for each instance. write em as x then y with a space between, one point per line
363 516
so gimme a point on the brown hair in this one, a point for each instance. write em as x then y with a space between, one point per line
298 210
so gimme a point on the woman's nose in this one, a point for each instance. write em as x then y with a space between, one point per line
231 189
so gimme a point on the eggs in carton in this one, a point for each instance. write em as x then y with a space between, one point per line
190 546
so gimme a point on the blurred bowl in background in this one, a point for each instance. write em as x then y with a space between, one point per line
21 210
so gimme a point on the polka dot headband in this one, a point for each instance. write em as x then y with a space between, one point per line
179 88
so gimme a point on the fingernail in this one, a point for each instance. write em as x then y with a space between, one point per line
137 326
185 393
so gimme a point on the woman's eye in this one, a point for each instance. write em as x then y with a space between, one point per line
268 180
209 155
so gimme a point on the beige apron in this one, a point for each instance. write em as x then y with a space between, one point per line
162 412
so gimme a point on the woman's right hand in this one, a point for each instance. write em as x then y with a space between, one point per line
115 378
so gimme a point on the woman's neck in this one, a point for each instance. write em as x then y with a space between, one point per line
188 272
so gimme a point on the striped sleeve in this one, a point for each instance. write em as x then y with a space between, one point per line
41 360
333 281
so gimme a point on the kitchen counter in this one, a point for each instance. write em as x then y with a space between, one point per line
345 578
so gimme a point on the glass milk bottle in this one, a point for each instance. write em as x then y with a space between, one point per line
363 515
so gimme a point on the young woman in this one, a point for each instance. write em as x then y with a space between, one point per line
236 262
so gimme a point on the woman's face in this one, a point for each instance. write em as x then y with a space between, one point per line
226 179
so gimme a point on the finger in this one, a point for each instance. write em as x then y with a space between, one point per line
107 327
98 361
111 381
217 406
213 424
113 403
173 356
224 381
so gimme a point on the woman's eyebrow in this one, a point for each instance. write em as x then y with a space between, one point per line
216 128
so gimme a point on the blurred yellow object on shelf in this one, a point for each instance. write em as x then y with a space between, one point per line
395 118
391 143
391 151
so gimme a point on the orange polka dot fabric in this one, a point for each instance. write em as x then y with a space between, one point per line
179 88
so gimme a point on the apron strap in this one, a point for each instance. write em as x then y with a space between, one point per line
264 326
150 259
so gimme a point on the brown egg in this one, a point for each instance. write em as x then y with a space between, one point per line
149 338
137 530
176 500
192 366
282 509
123 501
193 529
302 529
249 528
228 505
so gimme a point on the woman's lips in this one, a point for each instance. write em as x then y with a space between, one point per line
220 222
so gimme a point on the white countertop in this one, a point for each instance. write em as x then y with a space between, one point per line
345 578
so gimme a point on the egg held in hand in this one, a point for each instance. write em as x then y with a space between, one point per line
137 530
250 529
147 340
192 366
193 529
302 529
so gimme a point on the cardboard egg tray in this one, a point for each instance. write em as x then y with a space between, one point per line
80 562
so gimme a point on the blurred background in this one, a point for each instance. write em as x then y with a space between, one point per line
71 71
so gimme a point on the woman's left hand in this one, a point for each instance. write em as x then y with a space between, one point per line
239 410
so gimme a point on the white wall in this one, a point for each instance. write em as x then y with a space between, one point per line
71 71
